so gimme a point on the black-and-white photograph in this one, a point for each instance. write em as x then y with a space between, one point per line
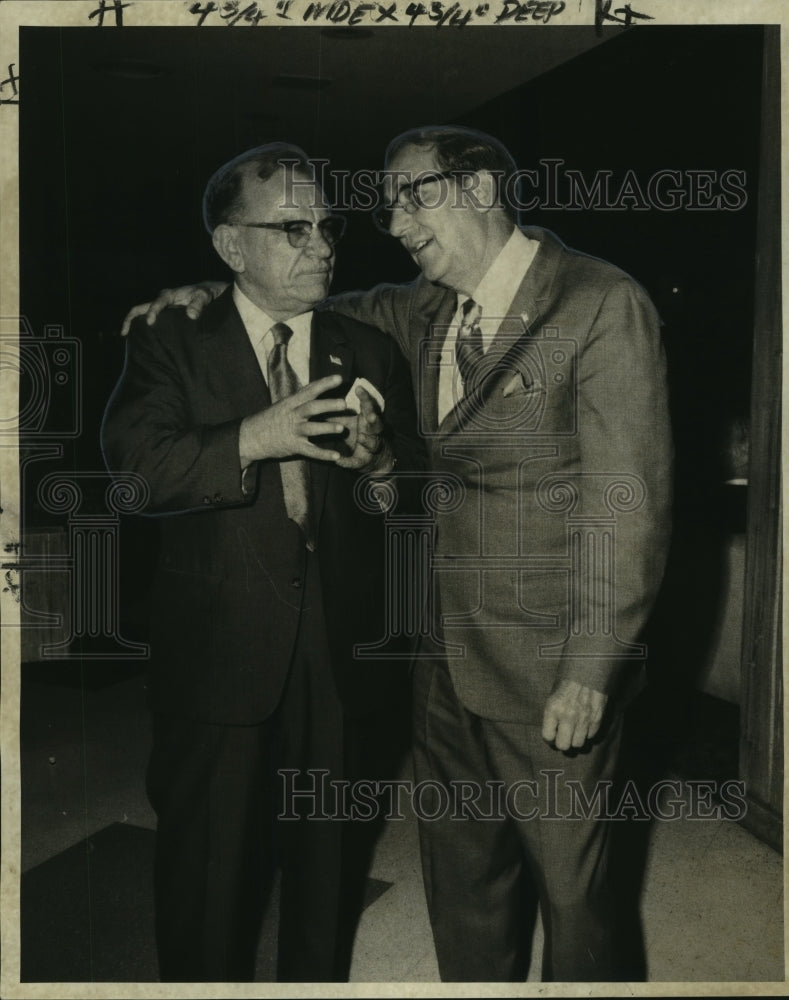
391 430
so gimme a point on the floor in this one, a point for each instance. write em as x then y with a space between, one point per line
712 900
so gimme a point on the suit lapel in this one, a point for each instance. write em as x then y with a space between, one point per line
535 290
528 306
429 370
330 354
330 351
231 359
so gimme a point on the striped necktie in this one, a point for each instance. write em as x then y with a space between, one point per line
468 349
295 472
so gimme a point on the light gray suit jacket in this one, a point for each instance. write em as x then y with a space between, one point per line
551 556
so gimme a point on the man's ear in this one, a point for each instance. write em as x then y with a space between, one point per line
479 190
226 245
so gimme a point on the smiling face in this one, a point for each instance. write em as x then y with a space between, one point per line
447 240
283 280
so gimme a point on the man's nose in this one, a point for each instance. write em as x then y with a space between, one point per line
318 245
401 222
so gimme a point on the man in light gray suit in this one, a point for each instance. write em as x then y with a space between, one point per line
540 382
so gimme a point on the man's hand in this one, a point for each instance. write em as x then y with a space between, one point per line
572 715
283 430
194 297
369 450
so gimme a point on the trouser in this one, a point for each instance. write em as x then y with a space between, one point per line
483 875
217 795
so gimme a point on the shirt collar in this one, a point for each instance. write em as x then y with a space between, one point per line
258 323
503 278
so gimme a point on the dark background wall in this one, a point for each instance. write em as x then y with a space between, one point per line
120 130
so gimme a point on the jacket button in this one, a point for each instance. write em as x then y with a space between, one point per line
296 582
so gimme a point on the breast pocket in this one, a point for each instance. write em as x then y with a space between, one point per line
536 402
516 403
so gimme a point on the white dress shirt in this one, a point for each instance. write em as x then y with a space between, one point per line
495 294
258 325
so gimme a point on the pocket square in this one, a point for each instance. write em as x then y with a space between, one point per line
335 360
518 385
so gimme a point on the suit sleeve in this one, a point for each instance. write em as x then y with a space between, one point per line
151 429
626 461
400 418
386 307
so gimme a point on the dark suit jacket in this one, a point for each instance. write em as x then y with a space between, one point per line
229 588
575 403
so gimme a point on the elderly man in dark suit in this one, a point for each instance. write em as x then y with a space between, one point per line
540 382
270 571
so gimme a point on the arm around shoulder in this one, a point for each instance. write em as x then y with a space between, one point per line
387 307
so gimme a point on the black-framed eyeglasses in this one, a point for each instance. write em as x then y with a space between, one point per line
409 198
299 231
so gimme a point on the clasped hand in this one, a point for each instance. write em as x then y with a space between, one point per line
365 440
284 429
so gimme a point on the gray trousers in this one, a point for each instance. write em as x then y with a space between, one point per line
484 876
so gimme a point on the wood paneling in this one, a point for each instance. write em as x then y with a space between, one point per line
761 735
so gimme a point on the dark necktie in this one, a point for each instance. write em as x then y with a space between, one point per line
468 349
295 472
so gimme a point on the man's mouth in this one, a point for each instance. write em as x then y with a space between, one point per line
418 247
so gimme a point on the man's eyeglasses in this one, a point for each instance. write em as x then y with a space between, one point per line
299 231
409 198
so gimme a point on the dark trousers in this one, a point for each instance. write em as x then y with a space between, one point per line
483 876
217 795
